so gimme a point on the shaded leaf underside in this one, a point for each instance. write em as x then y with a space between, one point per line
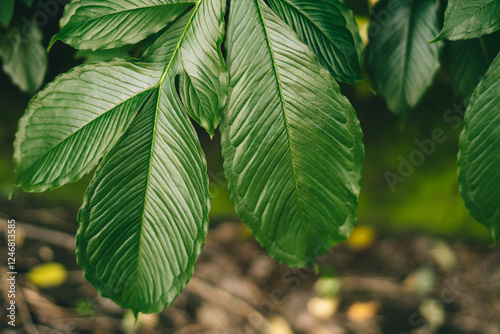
468 60
24 58
401 61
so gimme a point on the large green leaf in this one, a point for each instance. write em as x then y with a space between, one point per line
467 60
6 12
465 19
291 142
146 210
400 59
479 156
24 59
76 119
97 24
329 28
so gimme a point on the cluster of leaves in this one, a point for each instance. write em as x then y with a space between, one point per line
22 53
403 56
291 142
404 53
266 71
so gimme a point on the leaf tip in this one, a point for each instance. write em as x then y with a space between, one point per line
54 39
495 235
438 38
11 193
136 316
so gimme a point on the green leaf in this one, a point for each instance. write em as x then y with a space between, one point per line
291 142
204 81
24 58
466 19
479 155
97 24
146 210
77 119
401 61
6 12
329 29
468 60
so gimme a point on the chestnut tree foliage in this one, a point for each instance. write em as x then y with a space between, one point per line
264 73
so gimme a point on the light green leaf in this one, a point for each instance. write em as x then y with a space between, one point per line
96 24
24 58
401 61
6 12
291 142
466 19
479 155
77 119
468 60
329 29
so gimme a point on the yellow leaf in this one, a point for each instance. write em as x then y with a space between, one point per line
48 275
361 238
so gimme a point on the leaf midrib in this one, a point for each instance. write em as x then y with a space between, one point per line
271 52
102 115
158 86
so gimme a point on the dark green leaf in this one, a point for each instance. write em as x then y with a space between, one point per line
291 142
6 12
24 58
479 155
97 24
329 28
400 59
467 61
465 19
